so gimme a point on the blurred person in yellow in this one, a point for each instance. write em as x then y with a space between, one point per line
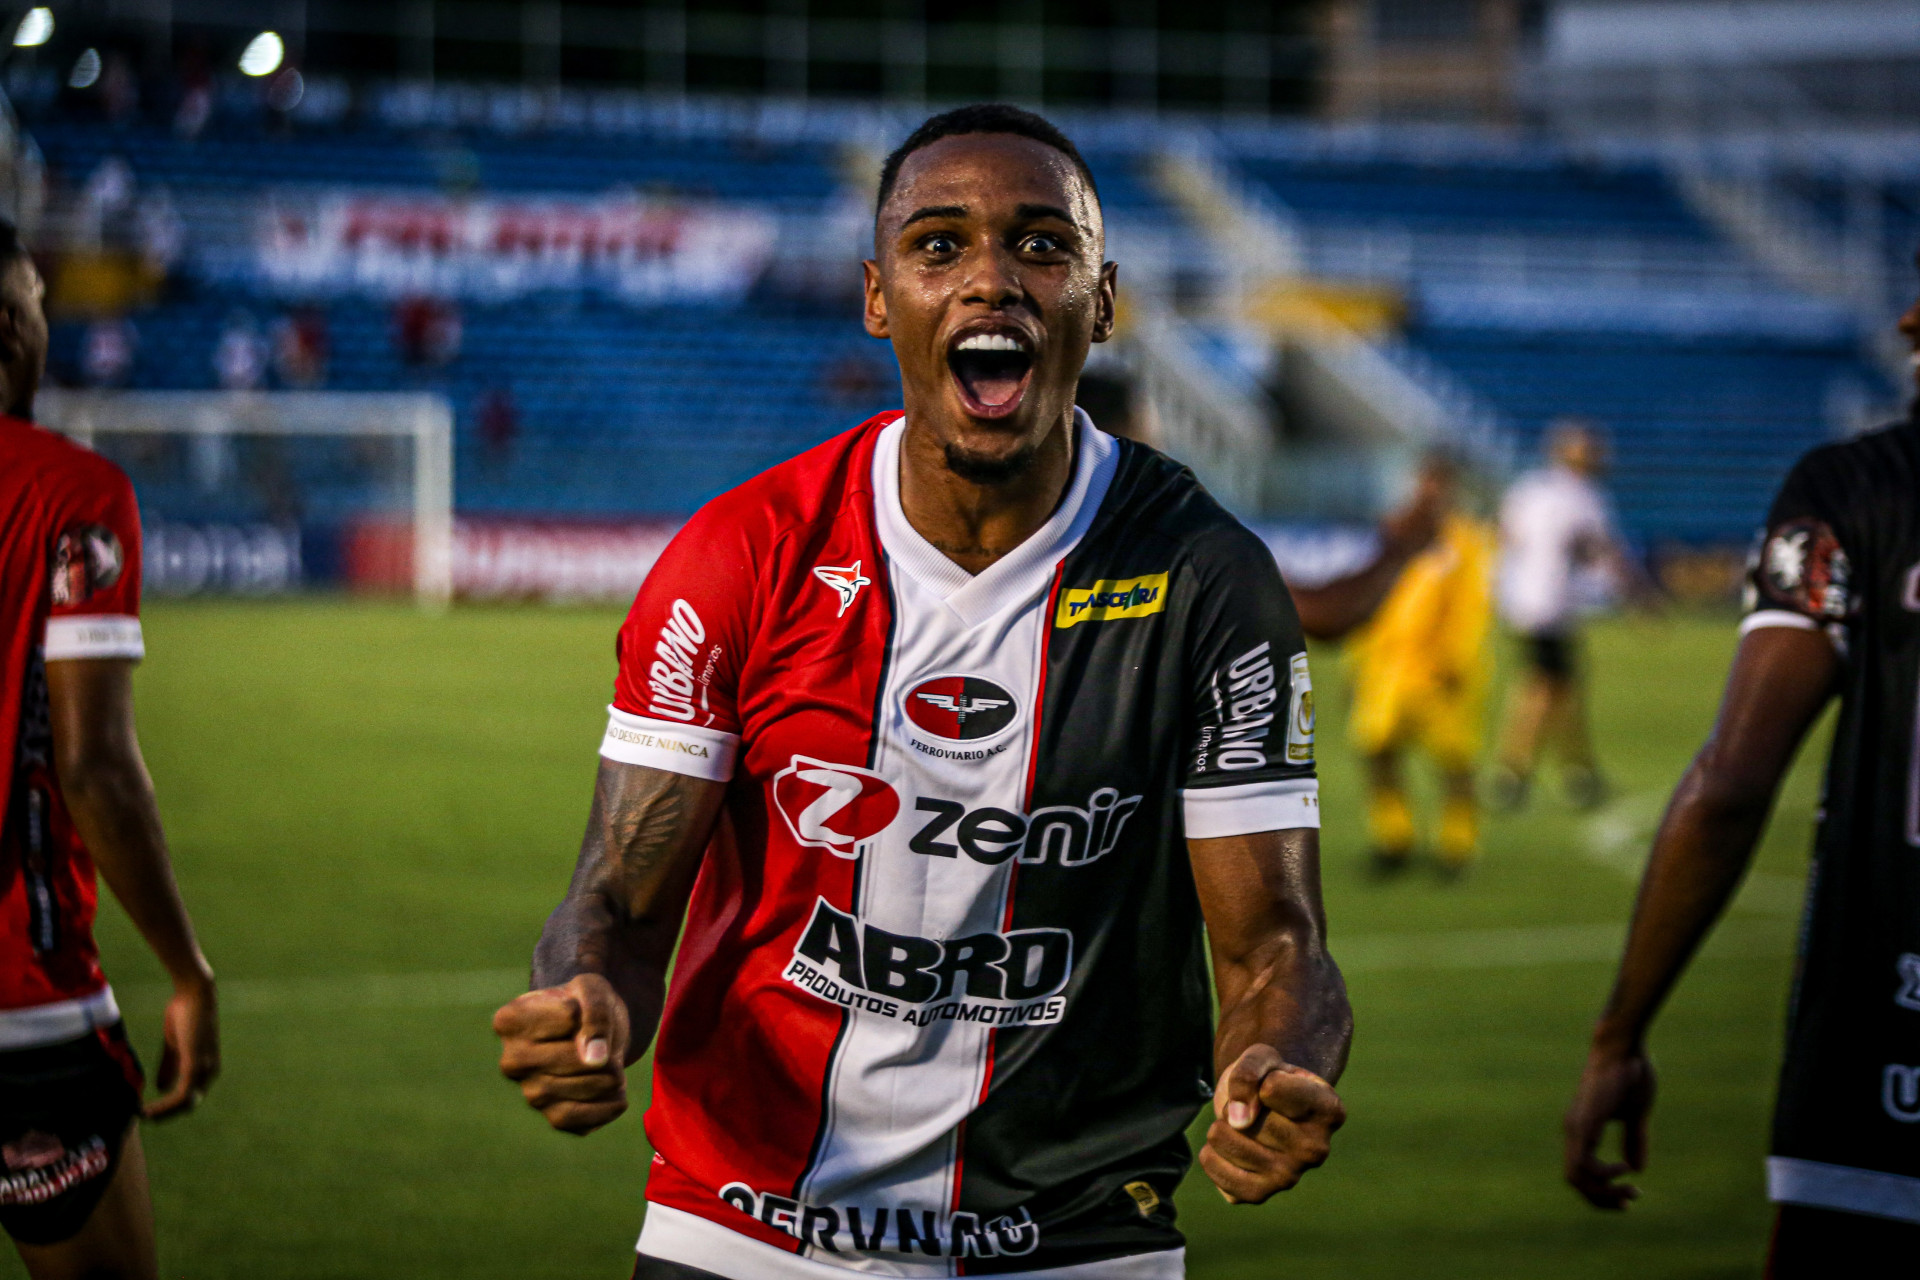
1420 671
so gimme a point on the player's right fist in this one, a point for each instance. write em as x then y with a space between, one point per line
566 1047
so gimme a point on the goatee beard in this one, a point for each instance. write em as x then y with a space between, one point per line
980 470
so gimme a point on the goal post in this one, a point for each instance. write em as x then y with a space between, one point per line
313 458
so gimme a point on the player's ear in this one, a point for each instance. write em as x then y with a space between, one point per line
876 307
1104 301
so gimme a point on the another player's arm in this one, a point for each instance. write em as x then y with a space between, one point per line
1332 609
1285 1024
1781 678
107 790
600 969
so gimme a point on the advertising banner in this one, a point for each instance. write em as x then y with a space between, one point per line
637 248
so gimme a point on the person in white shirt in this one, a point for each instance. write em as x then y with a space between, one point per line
1559 553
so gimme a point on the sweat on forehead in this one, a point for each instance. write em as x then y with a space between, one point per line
989 176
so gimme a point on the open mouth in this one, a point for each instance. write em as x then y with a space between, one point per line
991 370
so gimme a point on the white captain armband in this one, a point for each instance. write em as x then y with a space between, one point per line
1777 618
93 635
676 748
1290 803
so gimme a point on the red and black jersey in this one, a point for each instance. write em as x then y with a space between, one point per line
942 1002
1841 553
69 588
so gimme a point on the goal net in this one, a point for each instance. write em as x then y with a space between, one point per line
265 492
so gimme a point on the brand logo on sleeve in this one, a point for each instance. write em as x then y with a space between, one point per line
671 679
837 807
846 580
1112 598
960 708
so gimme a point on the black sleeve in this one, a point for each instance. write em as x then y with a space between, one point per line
1800 563
1246 665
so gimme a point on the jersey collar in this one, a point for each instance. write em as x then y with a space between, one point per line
1022 572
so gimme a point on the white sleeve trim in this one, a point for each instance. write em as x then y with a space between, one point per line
94 635
1258 806
662 744
1777 618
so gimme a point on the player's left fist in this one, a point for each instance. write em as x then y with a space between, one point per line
566 1047
1272 1122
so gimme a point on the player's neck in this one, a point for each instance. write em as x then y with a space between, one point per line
971 522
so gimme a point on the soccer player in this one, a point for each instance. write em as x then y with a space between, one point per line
1556 533
1420 676
944 740
73 1181
1833 609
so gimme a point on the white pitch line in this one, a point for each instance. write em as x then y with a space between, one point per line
1620 836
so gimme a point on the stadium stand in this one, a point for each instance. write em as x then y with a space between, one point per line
1539 281
1551 284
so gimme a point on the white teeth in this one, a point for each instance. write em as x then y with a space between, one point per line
990 342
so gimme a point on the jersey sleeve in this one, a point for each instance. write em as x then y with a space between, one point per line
1250 760
1801 573
675 704
93 575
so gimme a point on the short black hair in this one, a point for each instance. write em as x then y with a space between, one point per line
981 117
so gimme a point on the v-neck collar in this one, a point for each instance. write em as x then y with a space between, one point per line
1021 572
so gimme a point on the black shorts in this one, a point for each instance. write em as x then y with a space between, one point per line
65 1110
1550 653
1811 1244
660 1269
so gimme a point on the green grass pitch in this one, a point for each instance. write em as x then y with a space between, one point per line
372 810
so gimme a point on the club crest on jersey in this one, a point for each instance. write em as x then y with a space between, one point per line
844 579
86 558
960 708
836 807
1112 598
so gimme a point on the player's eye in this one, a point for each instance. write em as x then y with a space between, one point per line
940 242
1042 242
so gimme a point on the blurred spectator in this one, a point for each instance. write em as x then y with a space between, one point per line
240 357
119 89
499 425
161 234
106 354
196 94
301 346
106 197
426 332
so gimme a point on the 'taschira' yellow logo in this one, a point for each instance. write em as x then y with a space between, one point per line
1112 598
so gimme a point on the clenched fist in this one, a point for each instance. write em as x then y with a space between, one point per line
566 1047
1272 1123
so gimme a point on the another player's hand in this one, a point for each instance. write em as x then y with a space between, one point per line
190 1048
1614 1086
566 1047
1272 1123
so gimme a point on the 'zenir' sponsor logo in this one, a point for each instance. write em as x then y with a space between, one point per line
960 708
837 807
1015 972
1112 598
671 676
1072 835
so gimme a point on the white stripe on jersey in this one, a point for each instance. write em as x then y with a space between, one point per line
664 744
898 1091
63 1020
93 635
